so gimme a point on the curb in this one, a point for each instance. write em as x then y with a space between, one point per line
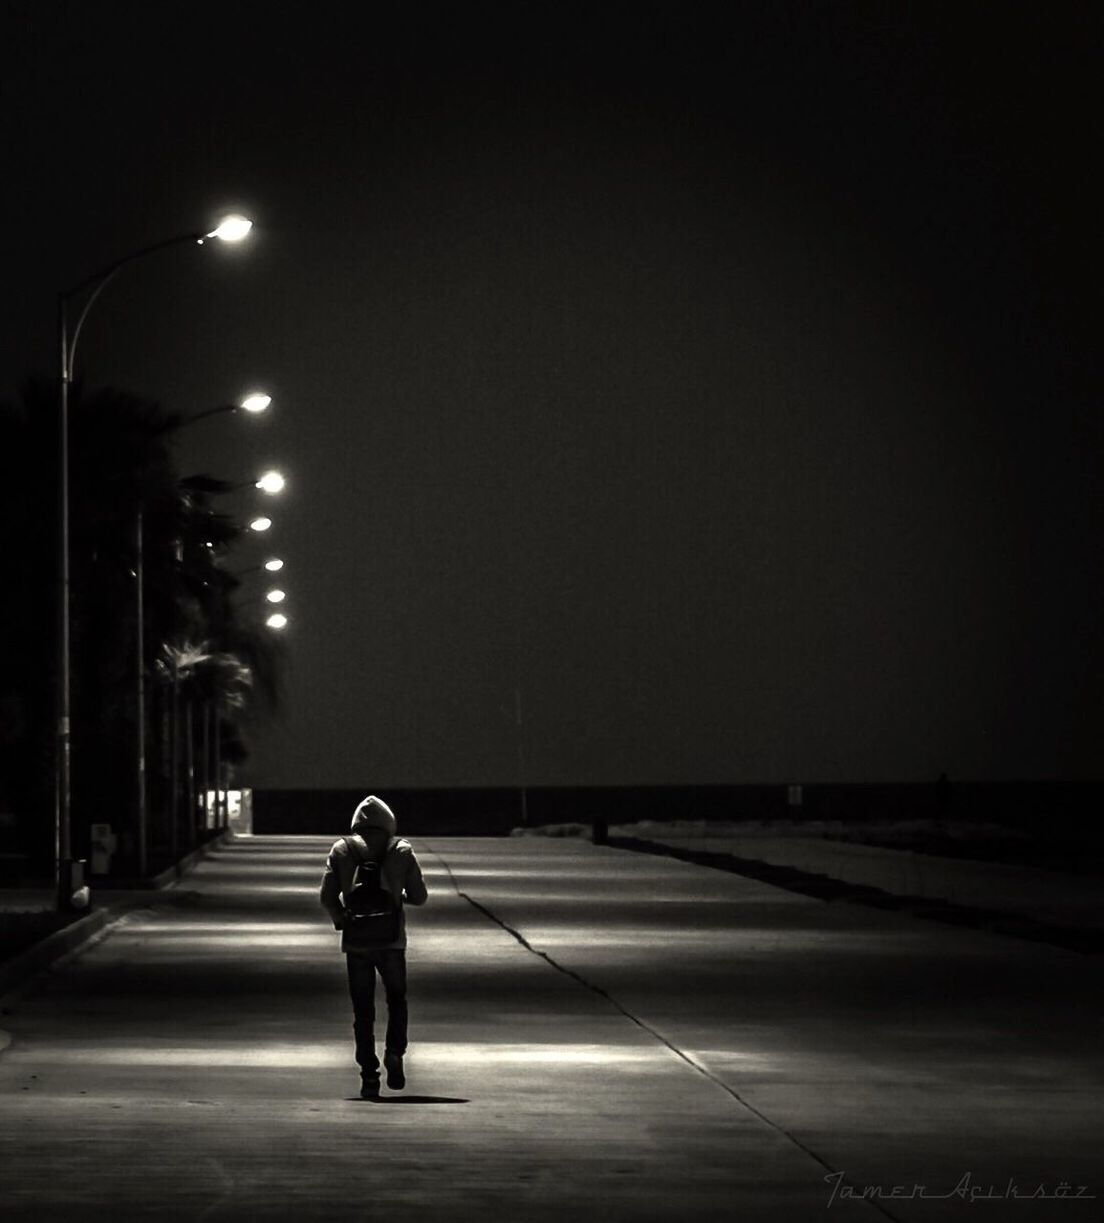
40 955
179 869
20 968
169 875
1080 939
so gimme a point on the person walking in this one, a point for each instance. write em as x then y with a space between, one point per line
369 876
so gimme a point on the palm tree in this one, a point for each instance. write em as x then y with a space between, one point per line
210 690
123 475
218 669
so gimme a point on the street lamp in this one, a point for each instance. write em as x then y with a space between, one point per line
231 228
276 596
271 482
254 404
69 884
277 620
272 566
260 524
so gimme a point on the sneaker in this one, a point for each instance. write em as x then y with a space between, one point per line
396 1080
369 1088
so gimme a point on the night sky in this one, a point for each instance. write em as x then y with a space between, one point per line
727 386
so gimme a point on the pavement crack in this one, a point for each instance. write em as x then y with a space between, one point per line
704 1071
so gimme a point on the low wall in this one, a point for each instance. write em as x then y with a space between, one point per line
1063 808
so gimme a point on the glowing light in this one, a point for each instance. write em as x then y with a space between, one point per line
277 620
276 596
232 228
256 402
320 1054
271 482
260 524
274 565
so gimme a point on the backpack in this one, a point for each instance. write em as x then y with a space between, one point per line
371 914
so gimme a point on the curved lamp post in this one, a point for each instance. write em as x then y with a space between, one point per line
272 566
71 890
272 482
254 403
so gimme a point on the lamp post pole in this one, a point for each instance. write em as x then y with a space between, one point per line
67 884
140 645
62 763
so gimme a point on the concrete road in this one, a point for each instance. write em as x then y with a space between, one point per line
594 1035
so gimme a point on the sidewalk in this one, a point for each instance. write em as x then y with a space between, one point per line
105 891
670 1042
107 904
1045 896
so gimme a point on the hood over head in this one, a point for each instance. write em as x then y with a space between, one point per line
373 813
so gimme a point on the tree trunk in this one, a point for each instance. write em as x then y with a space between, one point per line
141 811
189 769
205 770
220 805
174 763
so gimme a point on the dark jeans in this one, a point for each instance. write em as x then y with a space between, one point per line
363 966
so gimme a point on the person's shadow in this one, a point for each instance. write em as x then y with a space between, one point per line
407 1100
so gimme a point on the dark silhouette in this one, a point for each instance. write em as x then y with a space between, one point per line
204 664
374 850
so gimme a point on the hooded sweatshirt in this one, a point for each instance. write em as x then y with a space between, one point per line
373 826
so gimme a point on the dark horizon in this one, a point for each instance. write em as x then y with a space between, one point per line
1035 820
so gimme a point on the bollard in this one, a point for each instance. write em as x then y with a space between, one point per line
75 891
